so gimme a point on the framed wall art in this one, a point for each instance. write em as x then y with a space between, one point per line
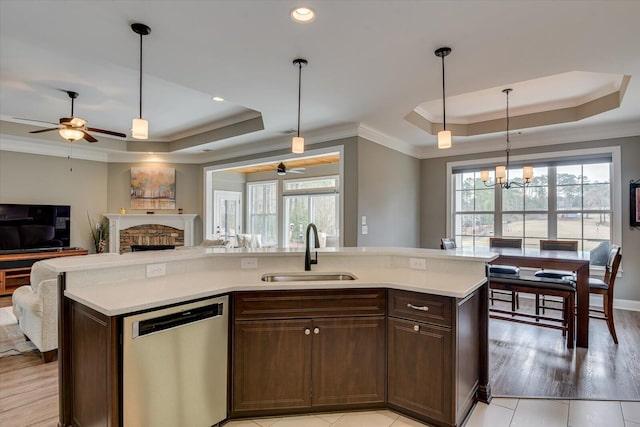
634 202
153 188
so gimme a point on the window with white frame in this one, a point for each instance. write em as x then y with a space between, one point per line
262 211
311 200
568 199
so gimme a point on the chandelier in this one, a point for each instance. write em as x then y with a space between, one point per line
502 172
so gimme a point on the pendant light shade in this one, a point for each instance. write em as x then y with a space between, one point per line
444 136
139 126
502 172
297 143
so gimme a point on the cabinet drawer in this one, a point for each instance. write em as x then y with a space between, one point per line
318 303
433 309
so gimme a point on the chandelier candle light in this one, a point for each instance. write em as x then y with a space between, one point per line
297 143
502 172
140 127
444 136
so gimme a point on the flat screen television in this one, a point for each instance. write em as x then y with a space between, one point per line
31 228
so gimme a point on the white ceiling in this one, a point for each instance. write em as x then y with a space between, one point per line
371 63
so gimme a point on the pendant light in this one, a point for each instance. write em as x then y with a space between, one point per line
444 136
140 127
502 172
297 143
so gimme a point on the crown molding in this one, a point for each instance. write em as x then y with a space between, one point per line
47 148
378 137
535 138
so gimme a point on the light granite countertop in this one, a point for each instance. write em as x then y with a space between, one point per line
205 272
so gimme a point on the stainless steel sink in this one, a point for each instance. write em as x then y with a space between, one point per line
306 277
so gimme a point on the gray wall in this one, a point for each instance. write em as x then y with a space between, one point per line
188 190
433 174
38 179
388 195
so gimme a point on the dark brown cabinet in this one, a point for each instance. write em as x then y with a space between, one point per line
272 364
327 359
420 368
434 357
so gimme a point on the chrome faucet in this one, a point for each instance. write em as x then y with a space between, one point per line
307 254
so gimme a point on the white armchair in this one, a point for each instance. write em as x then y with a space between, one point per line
36 308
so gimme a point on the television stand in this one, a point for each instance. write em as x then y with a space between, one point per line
15 268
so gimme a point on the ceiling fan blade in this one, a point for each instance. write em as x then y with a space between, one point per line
43 130
89 137
295 171
32 120
108 132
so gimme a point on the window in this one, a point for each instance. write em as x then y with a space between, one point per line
569 199
311 200
262 200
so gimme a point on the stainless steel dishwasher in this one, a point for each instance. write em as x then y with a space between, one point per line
175 365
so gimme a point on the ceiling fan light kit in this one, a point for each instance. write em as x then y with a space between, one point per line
444 136
502 172
297 143
139 126
73 128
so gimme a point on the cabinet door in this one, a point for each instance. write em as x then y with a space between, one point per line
420 369
348 361
271 365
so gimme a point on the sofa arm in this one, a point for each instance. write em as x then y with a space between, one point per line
48 293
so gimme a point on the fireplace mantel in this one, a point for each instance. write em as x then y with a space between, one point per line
118 222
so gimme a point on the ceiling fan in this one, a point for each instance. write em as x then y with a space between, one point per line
73 128
283 170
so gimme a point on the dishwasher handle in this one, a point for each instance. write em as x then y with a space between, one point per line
142 328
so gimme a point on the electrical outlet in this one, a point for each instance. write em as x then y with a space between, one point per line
156 270
418 263
248 263
365 229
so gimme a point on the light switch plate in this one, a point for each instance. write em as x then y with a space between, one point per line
364 220
418 263
365 229
156 270
248 263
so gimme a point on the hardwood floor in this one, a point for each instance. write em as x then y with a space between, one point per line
529 361
526 361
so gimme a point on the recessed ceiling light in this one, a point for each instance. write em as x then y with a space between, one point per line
303 15
217 99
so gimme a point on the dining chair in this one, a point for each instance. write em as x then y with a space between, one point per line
604 287
446 243
554 245
512 297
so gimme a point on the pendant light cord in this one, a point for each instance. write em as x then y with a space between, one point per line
444 110
140 98
508 141
299 93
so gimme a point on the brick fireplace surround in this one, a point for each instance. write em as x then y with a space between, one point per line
149 229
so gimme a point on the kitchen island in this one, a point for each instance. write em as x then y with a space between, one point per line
409 332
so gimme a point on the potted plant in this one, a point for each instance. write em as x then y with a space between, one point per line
99 233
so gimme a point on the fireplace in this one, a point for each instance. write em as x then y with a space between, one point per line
154 229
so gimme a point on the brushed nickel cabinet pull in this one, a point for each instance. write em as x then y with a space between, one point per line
417 307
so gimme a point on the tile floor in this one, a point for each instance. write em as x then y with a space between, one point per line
501 412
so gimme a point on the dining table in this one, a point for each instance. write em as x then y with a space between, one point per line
577 262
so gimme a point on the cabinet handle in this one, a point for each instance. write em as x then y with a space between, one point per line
418 307
307 331
316 331
416 328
